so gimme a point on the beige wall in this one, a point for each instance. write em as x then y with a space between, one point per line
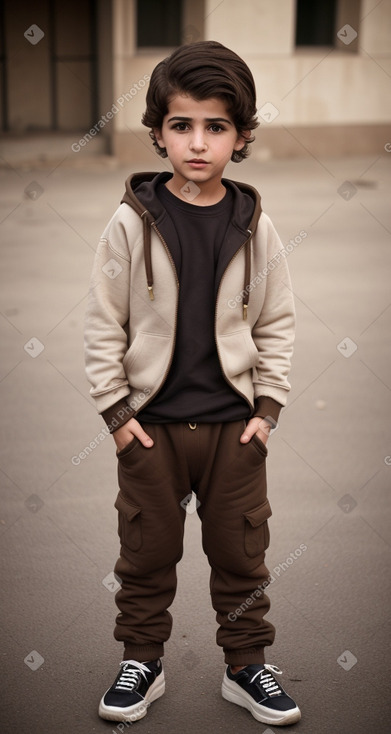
376 28
252 28
312 89
336 100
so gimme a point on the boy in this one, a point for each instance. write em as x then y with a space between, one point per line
189 334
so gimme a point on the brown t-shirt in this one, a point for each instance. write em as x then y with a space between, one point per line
195 389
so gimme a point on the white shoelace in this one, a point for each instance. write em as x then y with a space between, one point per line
129 677
266 680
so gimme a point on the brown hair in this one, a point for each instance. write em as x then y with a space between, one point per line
203 70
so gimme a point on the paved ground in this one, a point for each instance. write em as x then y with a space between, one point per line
329 465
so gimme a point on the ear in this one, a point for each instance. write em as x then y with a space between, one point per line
242 139
158 135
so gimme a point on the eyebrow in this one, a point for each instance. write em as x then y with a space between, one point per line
207 119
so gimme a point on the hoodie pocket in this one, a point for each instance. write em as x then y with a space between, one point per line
133 351
239 352
256 532
147 359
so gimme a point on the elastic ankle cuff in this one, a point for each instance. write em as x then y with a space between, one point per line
245 656
143 652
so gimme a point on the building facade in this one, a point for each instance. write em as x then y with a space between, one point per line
79 70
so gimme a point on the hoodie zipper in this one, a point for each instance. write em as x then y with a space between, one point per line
161 238
217 346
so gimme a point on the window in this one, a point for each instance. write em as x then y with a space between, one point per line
159 23
315 23
332 23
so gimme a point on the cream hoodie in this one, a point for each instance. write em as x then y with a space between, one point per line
131 315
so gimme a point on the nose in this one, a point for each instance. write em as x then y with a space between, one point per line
197 141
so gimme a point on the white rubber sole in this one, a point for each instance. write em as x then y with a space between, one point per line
231 692
139 710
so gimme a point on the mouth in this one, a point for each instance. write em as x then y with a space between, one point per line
197 162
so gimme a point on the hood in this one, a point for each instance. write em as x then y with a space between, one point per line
140 194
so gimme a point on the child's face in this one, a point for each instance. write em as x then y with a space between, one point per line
199 137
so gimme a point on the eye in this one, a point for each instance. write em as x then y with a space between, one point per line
180 126
216 128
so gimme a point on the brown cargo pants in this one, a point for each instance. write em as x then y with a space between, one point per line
229 479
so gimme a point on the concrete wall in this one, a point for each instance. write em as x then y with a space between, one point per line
43 93
310 86
336 100
329 100
28 68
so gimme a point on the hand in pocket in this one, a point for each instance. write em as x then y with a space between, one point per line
256 425
128 432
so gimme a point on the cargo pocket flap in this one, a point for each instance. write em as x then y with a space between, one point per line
259 515
130 511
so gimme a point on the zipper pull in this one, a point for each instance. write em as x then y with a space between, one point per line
245 307
150 291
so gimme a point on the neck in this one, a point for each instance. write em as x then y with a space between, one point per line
207 193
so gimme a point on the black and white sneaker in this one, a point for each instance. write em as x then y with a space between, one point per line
134 689
256 689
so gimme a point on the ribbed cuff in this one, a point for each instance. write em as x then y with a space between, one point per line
266 407
117 415
143 653
245 656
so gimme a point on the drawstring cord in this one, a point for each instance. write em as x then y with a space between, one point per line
147 221
247 272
